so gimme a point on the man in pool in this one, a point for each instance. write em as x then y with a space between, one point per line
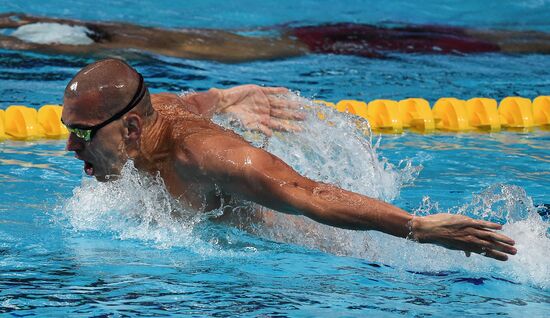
65 36
113 118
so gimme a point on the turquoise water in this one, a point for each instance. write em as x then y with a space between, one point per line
72 247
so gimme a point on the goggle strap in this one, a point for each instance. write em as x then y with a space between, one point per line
135 100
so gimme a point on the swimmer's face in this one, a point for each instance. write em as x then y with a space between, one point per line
105 154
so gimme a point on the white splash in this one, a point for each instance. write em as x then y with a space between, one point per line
138 206
53 33
507 204
133 206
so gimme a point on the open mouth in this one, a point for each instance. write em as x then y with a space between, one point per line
88 168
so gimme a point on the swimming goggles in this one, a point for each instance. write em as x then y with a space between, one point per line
87 133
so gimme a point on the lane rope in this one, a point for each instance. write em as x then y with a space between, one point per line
20 122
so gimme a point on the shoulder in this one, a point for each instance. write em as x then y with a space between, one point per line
212 149
165 98
170 100
204 138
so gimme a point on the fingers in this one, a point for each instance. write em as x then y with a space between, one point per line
491 249
488 244
499 241
496 255
486 224
261 128
287 114
253 123
492 244
497 237
274 90
283 126
505 248
485 245
276 101
267 125
258 126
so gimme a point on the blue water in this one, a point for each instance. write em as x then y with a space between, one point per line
72 247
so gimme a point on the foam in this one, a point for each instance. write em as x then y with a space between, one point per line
53 33
507 203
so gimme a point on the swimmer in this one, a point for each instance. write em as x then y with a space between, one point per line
112 118
65 36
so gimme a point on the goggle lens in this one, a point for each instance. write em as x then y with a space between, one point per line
85 134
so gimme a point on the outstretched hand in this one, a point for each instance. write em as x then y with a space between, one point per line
262 109
458 232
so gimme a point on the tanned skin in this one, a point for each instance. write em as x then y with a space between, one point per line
201 162
204 44
209 44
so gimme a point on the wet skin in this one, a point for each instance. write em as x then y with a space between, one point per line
201 162
363 40
185 43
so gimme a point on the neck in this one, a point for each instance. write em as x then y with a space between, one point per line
155 145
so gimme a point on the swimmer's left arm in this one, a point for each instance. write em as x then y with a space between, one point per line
258 108
258 176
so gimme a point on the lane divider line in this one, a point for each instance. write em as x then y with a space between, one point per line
20 122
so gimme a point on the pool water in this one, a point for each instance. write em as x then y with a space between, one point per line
72 247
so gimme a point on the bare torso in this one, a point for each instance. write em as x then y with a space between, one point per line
186 181
182 178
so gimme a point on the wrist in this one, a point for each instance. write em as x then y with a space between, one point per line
418 229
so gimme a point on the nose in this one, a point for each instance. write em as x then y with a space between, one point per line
74 143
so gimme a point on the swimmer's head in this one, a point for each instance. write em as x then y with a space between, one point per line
105 106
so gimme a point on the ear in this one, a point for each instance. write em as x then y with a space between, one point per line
133 124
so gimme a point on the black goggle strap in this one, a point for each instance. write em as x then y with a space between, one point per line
78 129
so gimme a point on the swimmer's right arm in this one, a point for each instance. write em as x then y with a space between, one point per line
256 175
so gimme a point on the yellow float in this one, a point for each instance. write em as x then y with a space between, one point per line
383 114
416 114
2 128
541 111
49 119
353 107
450 114
22 123
483 114
516 112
